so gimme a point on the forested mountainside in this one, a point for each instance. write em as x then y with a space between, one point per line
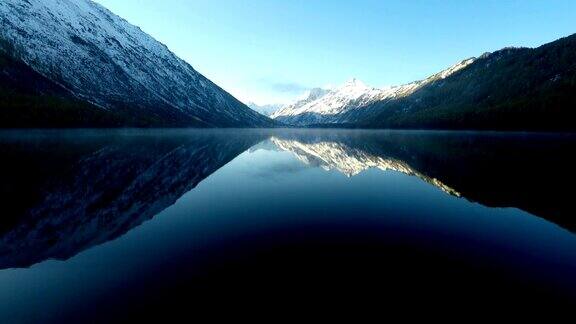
511 89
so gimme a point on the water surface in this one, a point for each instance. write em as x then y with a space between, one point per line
101 224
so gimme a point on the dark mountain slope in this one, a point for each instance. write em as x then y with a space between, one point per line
511 89
28 99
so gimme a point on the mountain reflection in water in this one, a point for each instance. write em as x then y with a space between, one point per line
93 188
526 171
65 192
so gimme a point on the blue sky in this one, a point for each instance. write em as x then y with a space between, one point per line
271 51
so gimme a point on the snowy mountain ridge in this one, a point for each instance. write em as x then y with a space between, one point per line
103 59
335 106
320 105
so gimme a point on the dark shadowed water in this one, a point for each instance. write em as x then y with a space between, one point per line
107 225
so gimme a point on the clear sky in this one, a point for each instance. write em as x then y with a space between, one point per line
271 51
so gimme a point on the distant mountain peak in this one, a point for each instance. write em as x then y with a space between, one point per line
354 88
354 83
321 103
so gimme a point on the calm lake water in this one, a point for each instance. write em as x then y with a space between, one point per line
101 225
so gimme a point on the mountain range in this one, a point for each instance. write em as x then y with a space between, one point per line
510 89
74 63
347 103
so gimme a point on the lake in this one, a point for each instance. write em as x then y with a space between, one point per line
109 224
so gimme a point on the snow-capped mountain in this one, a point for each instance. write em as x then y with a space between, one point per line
265 110
102 59
343 104
323 106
